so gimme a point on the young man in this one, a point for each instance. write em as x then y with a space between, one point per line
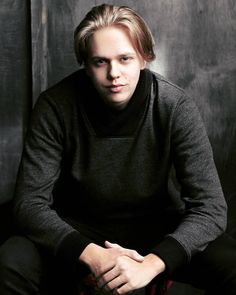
92 194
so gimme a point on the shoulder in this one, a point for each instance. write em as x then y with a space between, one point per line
63 97
171 101
59 103
169 94
70 87
166 90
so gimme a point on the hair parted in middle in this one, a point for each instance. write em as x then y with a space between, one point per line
106 15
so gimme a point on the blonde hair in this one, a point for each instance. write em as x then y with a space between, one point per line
108 15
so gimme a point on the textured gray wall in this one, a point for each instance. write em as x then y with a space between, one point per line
15 67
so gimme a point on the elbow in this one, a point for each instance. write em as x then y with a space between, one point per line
222 218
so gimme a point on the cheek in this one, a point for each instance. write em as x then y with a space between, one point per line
135 72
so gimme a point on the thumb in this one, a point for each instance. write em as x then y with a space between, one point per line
135 255
127 252
112 245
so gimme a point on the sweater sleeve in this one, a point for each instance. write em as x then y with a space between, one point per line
205 207
39 170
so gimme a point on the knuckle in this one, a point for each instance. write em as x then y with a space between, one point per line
118 291
119 260
131 285
108 287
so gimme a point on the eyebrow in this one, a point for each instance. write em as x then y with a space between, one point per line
120 55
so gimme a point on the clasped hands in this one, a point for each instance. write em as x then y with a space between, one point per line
120 270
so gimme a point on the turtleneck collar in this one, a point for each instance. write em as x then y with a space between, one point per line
107 121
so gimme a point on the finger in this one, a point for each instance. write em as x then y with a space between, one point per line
123 289
135 255
115 283
128 252
107 277
103 270
112 245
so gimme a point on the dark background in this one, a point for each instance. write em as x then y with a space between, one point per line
195 47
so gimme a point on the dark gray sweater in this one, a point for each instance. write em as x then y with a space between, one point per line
76 186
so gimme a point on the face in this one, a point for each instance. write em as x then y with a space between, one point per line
113 65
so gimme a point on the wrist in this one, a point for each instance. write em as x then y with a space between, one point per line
88 255
157 263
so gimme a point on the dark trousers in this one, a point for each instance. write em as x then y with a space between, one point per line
25 270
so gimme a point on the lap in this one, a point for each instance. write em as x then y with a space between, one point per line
25 265
212 269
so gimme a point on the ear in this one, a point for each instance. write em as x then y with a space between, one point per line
143 64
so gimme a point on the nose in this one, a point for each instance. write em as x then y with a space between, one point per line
113 71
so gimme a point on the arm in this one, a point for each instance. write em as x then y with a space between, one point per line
205 207
39 170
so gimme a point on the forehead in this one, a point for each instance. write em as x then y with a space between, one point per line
110 41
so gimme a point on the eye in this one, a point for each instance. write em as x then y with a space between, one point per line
126 59
99 62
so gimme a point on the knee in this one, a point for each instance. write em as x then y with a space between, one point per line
222 258
19 256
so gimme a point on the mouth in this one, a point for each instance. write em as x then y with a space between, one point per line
115 88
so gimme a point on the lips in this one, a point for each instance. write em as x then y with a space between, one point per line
115 88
